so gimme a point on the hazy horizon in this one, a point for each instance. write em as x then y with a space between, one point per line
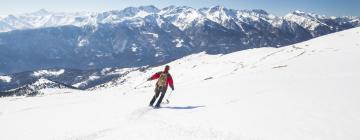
276 7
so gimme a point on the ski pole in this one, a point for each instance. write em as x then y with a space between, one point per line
134 87
140 84
167 100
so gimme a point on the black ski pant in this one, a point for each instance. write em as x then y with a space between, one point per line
158 89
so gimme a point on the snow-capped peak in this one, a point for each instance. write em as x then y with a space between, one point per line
260 11
11 17
149 9
16 23
41 12
307 20
181 17
217 12
306 14
42 81
299 12
217 8
139 11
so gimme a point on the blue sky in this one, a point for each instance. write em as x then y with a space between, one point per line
277 7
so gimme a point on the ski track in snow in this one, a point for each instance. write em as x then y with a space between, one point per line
92 136
152 117
140 112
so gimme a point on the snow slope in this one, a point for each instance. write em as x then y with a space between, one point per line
299 92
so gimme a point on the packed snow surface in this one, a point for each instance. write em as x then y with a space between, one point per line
303 91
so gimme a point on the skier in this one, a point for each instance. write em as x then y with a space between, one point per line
165 79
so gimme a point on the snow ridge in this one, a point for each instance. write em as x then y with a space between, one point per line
48 73
182 17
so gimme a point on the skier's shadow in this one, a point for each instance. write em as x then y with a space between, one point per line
183 107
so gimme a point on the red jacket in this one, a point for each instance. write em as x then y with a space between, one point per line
169 80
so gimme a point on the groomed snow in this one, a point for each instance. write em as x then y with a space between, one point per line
300 92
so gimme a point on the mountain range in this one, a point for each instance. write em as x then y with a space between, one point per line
27 83
90 49
146 35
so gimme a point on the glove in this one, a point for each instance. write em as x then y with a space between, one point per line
172 87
